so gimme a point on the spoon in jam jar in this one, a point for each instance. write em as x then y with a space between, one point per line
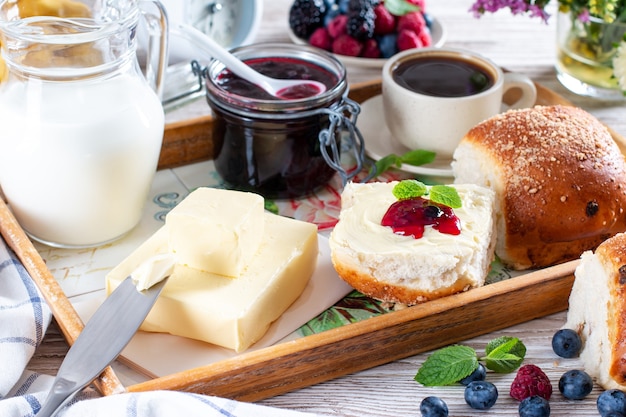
280 88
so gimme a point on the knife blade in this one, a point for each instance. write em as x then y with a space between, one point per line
103 338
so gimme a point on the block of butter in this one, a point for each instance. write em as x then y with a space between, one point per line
226 311
216 230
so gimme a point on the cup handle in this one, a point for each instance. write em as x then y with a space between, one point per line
525 84
158 41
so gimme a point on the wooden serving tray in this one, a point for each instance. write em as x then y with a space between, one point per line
303 362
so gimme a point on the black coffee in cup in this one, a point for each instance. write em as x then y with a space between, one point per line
441 76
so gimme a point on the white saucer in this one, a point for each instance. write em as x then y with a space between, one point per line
379 142
437 33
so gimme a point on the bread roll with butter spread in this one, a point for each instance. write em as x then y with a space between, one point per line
596 312
406 270
559 179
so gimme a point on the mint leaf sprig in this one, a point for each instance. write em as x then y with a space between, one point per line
451 364
416 158
442 194
400 7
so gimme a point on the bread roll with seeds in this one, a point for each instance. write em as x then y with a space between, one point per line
559 179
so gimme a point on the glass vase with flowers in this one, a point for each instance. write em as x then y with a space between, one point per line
591 42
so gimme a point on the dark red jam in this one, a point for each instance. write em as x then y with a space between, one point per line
410 217
285 68
276 158
270 145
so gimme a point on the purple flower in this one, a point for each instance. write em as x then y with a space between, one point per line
536 8
584 16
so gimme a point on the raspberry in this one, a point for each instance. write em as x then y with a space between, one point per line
408 39
371 50
347 45
412 21
425 38
321 39
530 380
337 26
385 22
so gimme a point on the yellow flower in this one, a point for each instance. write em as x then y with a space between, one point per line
619 66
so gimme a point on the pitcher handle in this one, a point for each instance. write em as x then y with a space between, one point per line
158 41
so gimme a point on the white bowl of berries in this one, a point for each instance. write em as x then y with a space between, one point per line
364 32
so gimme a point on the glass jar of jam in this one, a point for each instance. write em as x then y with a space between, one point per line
282 148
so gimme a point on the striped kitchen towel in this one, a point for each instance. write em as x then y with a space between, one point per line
24 318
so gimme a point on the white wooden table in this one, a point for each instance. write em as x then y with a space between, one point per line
518 44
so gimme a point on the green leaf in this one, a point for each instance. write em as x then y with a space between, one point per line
400 7
387 162
447 366
418 157
444 194
406 189
504 354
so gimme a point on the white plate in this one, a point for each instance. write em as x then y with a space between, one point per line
159 354
437 32
379 142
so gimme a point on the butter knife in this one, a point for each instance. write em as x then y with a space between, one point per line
103 338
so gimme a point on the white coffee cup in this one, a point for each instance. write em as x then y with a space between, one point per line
420 120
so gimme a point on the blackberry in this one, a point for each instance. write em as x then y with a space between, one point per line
361 18
575 384
305 16
566 343
433 407
534 406
612 400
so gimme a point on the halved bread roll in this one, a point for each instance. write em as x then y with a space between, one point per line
402 269
596 312
559 179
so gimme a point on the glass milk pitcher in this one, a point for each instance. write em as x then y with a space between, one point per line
81 125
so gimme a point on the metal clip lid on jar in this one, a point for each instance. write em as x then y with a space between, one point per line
282 148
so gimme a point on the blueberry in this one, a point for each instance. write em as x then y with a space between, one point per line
611 400
433 407
428 19
479 374
331 13
387 45
481 395
566 343
432 212
534 406
343 6
575 384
